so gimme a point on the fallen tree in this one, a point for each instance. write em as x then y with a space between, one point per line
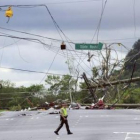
116 82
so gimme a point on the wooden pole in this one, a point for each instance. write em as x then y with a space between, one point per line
116 82
90 88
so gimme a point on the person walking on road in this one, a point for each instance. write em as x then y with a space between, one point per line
63 120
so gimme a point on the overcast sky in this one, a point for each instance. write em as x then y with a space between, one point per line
78 19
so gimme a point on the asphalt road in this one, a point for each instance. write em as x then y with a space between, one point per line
85 124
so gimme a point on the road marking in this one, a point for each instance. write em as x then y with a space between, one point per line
57 117
132 136
86 116
78 121
37 117
32 118
11 119
7 119
136 118
126 136
104 115
127 132
136 110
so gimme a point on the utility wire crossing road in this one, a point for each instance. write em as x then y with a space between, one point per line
85 124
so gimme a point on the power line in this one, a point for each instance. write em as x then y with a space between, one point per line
134 15
34 35
9 45
23 32
33 40
98 26
49 67
101 19
69 2
57 26
55 23
36 41
53 48
2 54
42 5
23 38
52 3
20 52
32 71
43 44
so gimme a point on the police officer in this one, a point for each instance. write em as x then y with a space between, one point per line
63 120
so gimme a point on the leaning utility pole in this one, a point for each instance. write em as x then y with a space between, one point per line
116 82
90 88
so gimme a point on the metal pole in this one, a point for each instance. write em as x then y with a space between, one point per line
70 91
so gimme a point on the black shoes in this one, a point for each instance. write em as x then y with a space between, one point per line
56 132
69 133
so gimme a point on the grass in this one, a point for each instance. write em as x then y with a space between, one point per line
2 110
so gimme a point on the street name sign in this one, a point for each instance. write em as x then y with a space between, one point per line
79 46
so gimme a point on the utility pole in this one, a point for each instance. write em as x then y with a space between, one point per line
116 82
70 91
92 92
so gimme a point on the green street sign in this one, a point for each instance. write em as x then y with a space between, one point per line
89 46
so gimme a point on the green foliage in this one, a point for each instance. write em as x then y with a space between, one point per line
130 59
60 84
7 84
52 80
21 97
35 88
132 96
95 72
84 96
15 108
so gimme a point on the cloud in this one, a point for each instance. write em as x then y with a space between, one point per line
77 16
77 20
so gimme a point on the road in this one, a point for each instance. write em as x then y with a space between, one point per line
85 124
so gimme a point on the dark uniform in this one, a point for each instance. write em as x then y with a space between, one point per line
63 120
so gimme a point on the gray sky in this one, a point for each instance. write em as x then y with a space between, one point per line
78 20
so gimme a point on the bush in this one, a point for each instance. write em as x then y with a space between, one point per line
15 108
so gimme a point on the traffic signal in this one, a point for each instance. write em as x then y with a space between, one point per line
63 46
